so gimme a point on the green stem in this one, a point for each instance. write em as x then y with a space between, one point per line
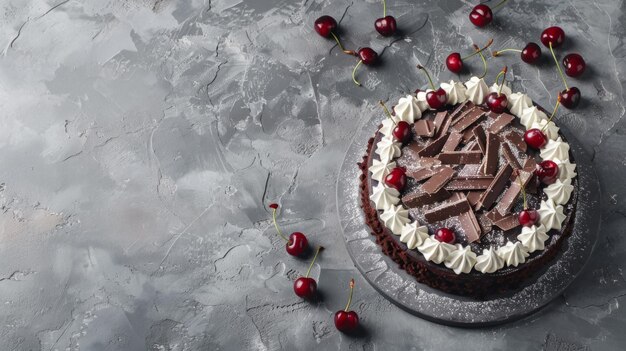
556 107
338 42
482 57
503 79
319 248
430 81
350 296
384 8
478 50
276 226
499 4
387 111
497 53
558 66
354 72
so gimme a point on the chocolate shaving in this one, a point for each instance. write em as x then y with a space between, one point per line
442 123
438 181
492 156
453 141
473 197
468 135
481 138
461 110
460 157
517 141
508 155
495 188
451 209
470 226
511 194
501 121
507 223
425 128
420 198
423 173
434 147
530 165
468 119
469 184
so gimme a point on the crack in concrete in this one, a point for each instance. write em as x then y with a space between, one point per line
19 32
599 305
404 37
54 8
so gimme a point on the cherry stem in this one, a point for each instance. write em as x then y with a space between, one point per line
430 81
350 296
497 53
349 52
482 57
276 226
499 4
503 72
354 72
558 66
556 107
519 179
387 111
384 8
319 248
478 50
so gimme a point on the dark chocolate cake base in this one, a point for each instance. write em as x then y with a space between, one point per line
474 284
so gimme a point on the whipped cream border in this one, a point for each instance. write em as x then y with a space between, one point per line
441 254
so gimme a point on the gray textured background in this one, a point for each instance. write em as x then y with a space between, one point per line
140 139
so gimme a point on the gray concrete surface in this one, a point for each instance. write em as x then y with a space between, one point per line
141 139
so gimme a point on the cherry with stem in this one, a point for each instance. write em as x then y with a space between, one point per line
570 97
536 138
454 61
436 98
297 244
497 102
385 25
530 54
306 287
402 130
527 217
482 58
368 57
346 320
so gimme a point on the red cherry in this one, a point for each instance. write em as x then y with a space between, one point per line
297 244
547 171
305 287
454 62
481 15
570 97
273 206
402 131
368 56
531 53
535 138
528 217
554 35
386 26
574 65
436 98
396 178
497 103
346 321
445 235
325 25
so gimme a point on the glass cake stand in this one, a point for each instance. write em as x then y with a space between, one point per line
431 304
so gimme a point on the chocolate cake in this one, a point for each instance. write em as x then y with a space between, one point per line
445 203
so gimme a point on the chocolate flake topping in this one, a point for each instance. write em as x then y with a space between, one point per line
438 181
421 198
501 121
460 157
495 188
425 128
451 209
492 156
434 147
